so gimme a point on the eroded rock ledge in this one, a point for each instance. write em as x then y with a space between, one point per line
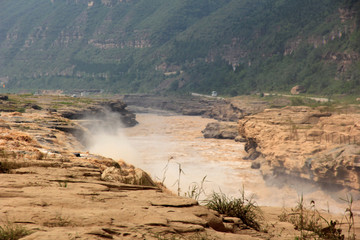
100 108
216 108
318 146
62 192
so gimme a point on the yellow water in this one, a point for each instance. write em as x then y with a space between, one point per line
172 150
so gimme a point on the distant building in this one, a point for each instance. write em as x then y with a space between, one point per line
214 94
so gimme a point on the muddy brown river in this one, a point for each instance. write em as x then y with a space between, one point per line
172 150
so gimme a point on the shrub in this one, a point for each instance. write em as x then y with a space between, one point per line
242 208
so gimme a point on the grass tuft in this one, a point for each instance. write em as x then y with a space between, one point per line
6 166
311 224
242 208
59 221
12 231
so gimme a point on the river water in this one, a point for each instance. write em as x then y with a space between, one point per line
172 150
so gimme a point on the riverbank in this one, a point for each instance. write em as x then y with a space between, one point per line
307 144
56 189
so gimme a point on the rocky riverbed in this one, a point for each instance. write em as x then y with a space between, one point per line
317 145
54 187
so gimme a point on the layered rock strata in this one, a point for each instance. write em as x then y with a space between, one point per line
62 192
221 130
97 109
216 108
302 142
56 190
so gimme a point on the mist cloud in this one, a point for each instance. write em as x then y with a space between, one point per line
106 137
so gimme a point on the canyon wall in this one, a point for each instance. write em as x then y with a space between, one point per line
314 145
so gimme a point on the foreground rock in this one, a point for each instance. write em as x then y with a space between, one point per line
304 143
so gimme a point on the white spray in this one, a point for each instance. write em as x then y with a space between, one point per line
107 138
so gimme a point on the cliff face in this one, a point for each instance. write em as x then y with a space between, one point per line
301 142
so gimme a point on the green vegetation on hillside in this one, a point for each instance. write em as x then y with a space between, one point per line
232 46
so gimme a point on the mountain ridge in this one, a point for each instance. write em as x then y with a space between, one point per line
234 47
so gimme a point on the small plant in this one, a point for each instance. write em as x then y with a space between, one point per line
63 184
164 172
284 216
310 223
12 231
178 180
195 190
58 221
305 219
73 237
349 217
242 208
6 166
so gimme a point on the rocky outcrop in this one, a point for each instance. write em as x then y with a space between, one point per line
100 109
63 192
216 108
135 176
322 147
221 130
298 89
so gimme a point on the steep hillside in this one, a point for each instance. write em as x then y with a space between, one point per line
232 46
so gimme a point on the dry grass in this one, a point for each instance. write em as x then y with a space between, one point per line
12 231
312 225
7 166
59 221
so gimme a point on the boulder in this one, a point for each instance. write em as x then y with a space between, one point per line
128 176
298 89
221 130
